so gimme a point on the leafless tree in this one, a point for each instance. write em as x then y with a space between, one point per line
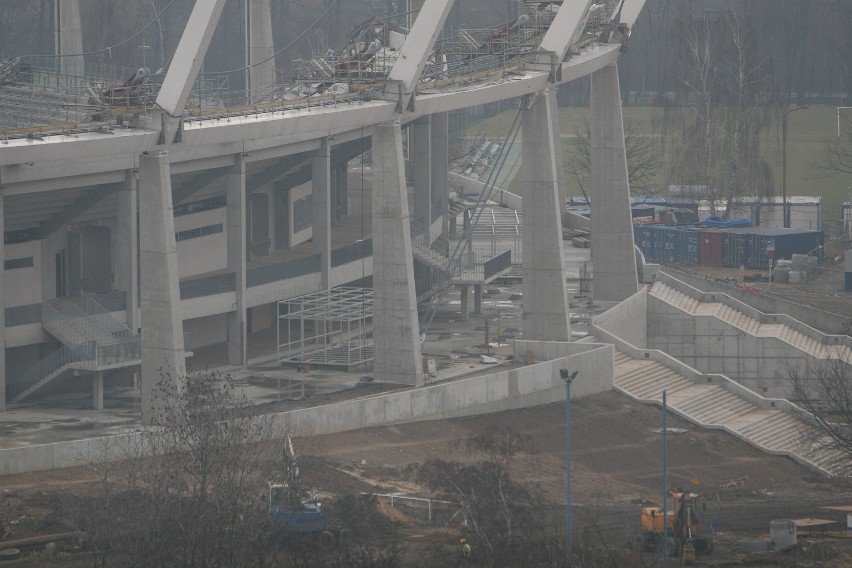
824 389
728 105
643 159
502 515
192 492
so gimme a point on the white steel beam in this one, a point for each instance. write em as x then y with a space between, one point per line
189 56
565 28
418 46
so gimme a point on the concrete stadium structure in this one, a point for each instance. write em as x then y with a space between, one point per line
190 223
106 197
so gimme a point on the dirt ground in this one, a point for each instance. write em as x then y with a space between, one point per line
616 464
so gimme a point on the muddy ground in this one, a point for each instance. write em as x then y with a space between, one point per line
616 464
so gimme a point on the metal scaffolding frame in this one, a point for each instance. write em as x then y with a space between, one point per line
329 328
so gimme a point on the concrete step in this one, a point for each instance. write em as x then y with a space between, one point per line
713 405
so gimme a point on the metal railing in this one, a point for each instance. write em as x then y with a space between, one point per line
53 364
115 301
79 319
105 319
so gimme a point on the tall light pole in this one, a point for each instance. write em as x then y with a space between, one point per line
785 206
568 377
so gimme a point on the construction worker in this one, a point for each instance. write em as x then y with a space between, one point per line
466 551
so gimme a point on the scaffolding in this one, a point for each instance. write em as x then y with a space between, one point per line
330 328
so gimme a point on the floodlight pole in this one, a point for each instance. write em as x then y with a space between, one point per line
568 377
785 206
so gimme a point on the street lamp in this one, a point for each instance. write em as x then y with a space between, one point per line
785 205
568 377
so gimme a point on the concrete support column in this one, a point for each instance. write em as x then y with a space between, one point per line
98 390
127 247
396 330
321 197
557 143
615 275
236 219
463 307
69 37
2 306
477 299
163 357
420 160
440 154
260 51
545 306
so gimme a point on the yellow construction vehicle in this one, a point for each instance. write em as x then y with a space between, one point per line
684 525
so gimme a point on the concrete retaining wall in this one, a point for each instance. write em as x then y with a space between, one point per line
713 346
529 385
628 319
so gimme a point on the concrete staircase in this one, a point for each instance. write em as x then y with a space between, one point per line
812 344
713 406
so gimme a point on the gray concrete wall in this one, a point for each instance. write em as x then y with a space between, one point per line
713 346
628 319
814 317
530 385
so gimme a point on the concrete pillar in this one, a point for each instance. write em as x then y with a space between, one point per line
545 305
440 155
163 358
396 330
615 276
420 160
557 143
477 299
236 259
321 197
98 390
2 306
127 247
69 37
463 307
260 76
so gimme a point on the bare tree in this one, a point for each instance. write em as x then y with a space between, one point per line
837 150
643 159
729 103
505 518
191 493
824 389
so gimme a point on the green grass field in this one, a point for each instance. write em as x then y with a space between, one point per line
807 131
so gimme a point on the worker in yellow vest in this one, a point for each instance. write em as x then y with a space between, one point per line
466 551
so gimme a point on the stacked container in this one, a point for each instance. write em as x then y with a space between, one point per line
751 247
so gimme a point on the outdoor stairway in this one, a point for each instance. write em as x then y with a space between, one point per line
750 325
92 340
709 405
427 251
